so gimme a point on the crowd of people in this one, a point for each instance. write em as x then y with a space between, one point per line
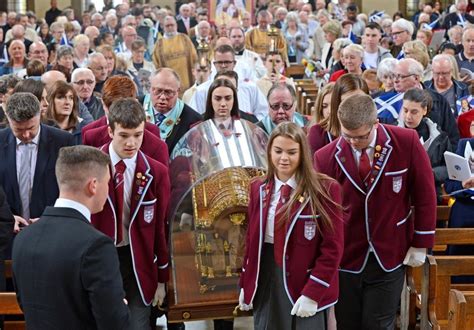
92 107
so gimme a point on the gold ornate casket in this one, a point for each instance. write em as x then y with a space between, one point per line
210 178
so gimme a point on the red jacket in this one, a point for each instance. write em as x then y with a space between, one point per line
311 253
147 224
380 219
151 146
102 121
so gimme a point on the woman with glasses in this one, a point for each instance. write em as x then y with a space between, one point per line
318 135
417 104
64 109
290 273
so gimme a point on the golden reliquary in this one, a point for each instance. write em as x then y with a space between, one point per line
220 205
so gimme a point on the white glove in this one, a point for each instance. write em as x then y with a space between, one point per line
160 295
415 257
243 306
304 307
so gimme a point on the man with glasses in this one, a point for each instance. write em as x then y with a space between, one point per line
251 100
402 31
444 83
382 180
124 49
407 75
38 51
175 51
83 81
98 65
281 108
164 109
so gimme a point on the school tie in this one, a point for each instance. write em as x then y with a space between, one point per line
119 183
279 230
364 166
159 118
24 180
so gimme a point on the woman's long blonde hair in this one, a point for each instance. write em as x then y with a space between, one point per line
310 184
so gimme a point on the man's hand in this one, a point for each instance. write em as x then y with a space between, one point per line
304 307
242 305
469 183
160 295
415 257
19 222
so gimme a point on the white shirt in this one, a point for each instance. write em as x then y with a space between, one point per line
269 230
370 151
79 207
370 60
250 99
128 175
34 157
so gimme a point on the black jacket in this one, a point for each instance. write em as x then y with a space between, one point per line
66 274
182 27
95 107
188 118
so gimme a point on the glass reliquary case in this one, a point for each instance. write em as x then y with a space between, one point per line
210 172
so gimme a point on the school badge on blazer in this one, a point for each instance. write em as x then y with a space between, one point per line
148 213
397 184
309 230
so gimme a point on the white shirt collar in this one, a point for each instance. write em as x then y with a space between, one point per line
291 182
64 202
35 140
115 158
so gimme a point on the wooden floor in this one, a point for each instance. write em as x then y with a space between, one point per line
240 323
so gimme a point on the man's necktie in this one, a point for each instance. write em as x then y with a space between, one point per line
364 166
119 183
159 118
279 231
24 180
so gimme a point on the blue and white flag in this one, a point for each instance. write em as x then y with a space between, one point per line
352 36
64 40
462 20
377 15
432 25
389 105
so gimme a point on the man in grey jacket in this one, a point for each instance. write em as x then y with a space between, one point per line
373 52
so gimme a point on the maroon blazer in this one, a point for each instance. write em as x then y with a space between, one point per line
318 137
312 252
151 145
149 205
379 217
102 121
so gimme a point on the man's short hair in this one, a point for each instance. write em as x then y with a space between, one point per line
78 71
414 67
22 107
229 74
138 43
222 49
357 111
78 163
170 71
404 25
374 26
127 112
282 86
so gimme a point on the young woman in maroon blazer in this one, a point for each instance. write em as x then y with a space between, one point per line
294 238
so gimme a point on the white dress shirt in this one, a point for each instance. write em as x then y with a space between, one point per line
34 157
128 175
79 207
269 230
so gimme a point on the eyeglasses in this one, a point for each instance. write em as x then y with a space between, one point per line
37 52
448 73
397 33
357 138
278 106
99 68
402 76
166 92
222 63
82 82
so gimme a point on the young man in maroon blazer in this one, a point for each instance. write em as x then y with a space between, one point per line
384 171
134 215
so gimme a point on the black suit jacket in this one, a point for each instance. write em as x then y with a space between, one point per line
188 118
66 274
45 187
452 19
6 233
182 27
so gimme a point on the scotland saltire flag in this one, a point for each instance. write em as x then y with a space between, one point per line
377 15
432 25
64 40
352 36
389 105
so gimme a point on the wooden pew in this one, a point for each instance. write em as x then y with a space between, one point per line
295 71
9 304
436 286
461 310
